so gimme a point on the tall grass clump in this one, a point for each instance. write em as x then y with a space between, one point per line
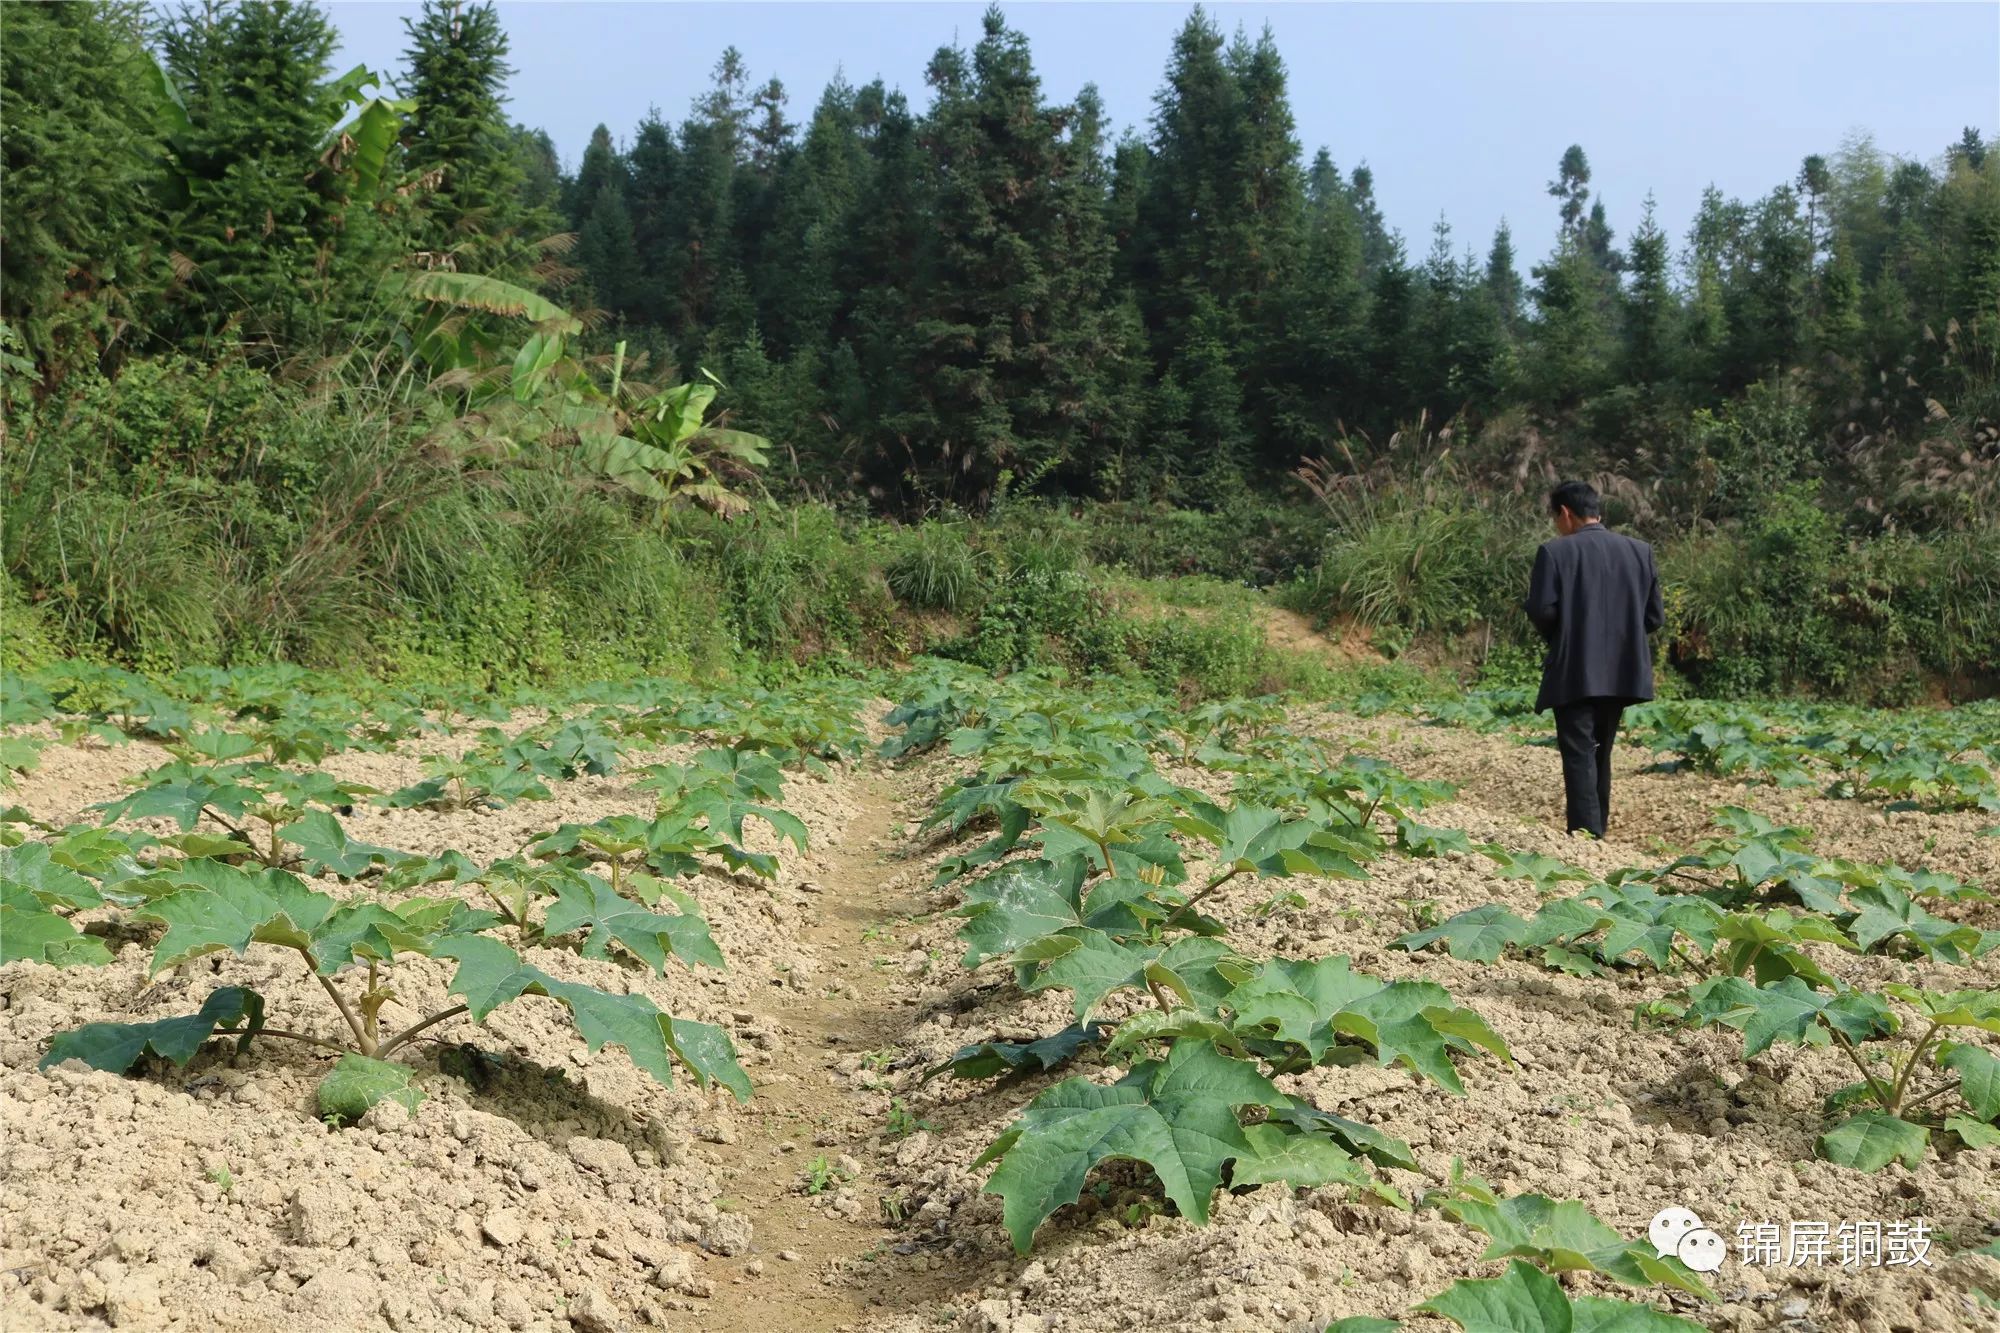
934 568
133 575
1410 550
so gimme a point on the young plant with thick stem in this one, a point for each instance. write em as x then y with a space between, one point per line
209 907
1902 1106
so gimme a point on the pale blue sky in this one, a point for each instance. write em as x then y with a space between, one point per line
1459 108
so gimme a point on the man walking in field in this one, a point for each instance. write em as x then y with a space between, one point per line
1595 596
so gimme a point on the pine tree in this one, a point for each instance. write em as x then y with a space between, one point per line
1483 350
655 167
607 250
1503 280
1572 187
1196 123
1712 238
1378 248
770 133
270 239
80 211
1970 149
754 244
1318 374
541 170
797 286
1437 374
459 133
1597 238
1766 299
1135 264
607 247
1392 376
1568 345
876 400
1269 205
700 259
1814 181
1649 307
1225 202
1010 330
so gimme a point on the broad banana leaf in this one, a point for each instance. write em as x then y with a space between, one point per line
627 462
677 411
740 445
532 364
365 142
493 296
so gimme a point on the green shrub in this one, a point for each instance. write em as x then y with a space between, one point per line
27 641
1198 658
1039 617
1732 459
1245 540
798 583
1784 603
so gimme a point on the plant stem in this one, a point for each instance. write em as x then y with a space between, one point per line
300 1036
1938 1091
403 1038
1910 1066
361 1036
1159 997
1744 966
1190 904
1882 1096
1693 964
217 816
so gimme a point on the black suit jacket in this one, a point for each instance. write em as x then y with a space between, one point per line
1595 596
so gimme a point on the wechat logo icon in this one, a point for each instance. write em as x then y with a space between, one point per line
1679 1233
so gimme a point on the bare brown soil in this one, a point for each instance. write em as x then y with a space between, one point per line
553 1190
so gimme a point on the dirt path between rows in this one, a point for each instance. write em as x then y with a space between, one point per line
804 1110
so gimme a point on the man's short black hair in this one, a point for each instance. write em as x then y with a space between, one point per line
1579 497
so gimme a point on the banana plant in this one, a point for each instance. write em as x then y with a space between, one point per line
540 399
658 444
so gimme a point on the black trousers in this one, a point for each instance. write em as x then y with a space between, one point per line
1584 732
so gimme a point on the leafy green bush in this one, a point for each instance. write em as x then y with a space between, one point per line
1038 617
1733 458
798 583
1246 539
1784 602
1199 659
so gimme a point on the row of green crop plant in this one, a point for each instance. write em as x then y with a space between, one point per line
254 819
1742 924
1099 876
1937 759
